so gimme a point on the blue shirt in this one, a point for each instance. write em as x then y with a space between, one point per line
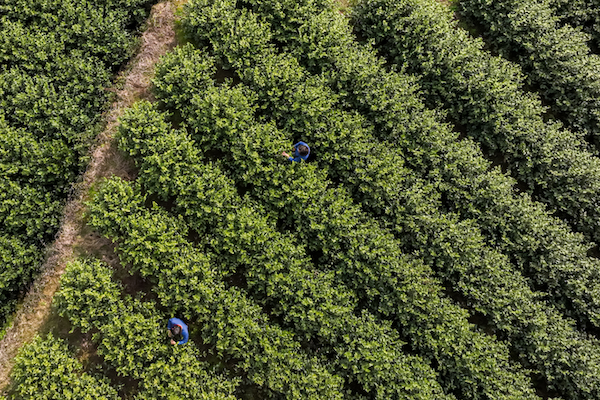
296 156
184 329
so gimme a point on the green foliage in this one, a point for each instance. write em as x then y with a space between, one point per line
552 256
131 337
484 276
485 95
56 59
45 370
556 59
88 296
311 212
212 192
180 375
18 263
364 257
188 283
456 248
198 27
411 188
584 14
97 29
276 269
46 163
49 108
27 211
183 64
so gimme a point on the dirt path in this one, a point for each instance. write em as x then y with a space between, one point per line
158 38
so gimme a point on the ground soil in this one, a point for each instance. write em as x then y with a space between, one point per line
34 315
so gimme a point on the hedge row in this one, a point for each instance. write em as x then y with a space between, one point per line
18 261
483 276
485 95
363 256
353 245
377 174
45 370
56 59
189 283
552 256
276 270
556 59
583 14
131 337
103 30
40 163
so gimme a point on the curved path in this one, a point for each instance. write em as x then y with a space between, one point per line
34 311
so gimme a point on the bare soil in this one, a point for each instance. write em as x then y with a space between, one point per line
73 239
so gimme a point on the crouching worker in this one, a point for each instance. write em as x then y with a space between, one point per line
301 152
177 331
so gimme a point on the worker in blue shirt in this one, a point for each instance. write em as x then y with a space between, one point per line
177 330
301 152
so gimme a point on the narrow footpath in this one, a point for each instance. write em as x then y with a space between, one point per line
34 311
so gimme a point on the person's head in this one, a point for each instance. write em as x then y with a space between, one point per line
175 332
302 150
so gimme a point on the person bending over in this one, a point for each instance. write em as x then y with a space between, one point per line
177 331
301 152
